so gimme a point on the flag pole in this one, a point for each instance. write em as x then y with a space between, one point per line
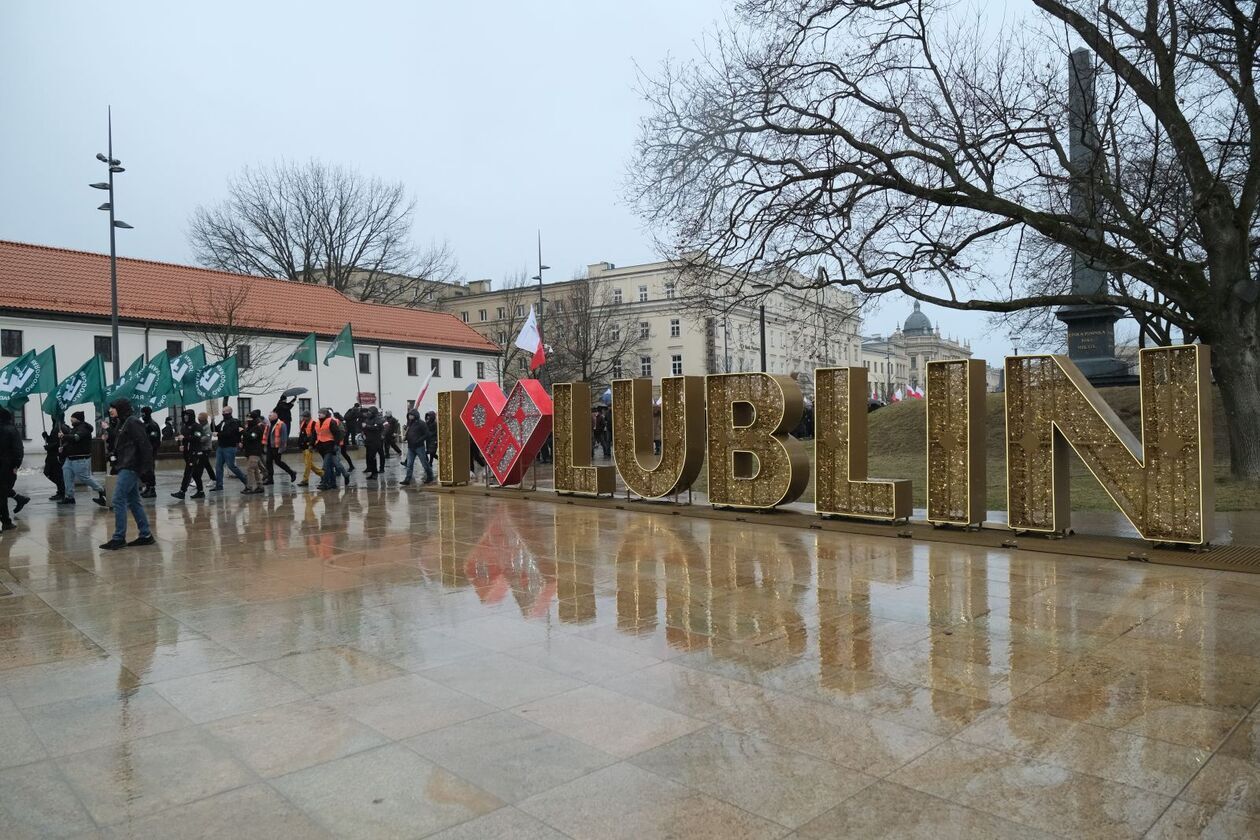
318 402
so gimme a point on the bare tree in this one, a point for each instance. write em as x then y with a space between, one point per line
314 223
587 335
516 301
892 146
220 317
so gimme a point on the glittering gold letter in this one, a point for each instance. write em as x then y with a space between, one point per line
452 439
681 434
841 487
956 430
571 435
753 461
1163 484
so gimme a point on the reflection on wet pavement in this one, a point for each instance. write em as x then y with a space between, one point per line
384 664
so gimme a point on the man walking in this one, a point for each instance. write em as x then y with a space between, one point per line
229 430
306 443
328 434
393 430
253 443
373 442
133 456
207 446
53 459
347 438
277 442
154 432
417 433
11 452
192 446
76 448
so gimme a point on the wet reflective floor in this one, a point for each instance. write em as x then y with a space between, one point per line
385 664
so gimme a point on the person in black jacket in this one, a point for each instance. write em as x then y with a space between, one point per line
53 459
154 432
229 432
192 447
347 437
393 431
11 452
169 432
133 457
417 433
253 445
76 452
431 434
374 442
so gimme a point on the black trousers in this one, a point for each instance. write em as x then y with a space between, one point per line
194 467
393 444
375 458
275 458
52 471
7 480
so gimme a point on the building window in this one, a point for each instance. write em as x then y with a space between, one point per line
614 333
481 370
643 294
304 365
174 348
501 313
413 366
502 336
242 357
558 306
616 295
244 405
457 369
669 290
675 328
522 364
645 366
481 314
645 329
304 406
103 345
464 316
617 372
435 365
675 364
365 363
11 342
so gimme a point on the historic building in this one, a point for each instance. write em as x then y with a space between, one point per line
640 312
59 297
899 361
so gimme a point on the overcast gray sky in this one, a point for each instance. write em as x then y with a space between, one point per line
502 118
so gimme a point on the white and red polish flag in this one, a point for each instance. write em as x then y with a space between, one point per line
531 342
424 389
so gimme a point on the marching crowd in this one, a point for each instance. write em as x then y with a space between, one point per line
210 451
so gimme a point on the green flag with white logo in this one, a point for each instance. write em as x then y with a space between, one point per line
343 345
85 385
212 382
186 365
152 386
30 373
122 388
305 351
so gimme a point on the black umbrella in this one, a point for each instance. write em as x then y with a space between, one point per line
293 392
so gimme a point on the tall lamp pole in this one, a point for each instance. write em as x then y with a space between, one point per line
539 278
114 166
762 288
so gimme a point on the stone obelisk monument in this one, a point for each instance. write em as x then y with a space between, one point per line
1091 327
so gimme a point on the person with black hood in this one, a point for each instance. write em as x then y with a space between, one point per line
253 446
417 431
76 450
229 432
154 433
346 439
192 446
169 432
284 409
431 435
133 457
374 442
393 431
11 452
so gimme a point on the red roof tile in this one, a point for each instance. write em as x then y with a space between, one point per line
37 278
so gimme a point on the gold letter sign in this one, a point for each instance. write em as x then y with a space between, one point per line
572 439
681 433
956 431
841 487
1163 484
452 439
753 461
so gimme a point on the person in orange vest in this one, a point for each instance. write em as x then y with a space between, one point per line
277 442
328 436
306 443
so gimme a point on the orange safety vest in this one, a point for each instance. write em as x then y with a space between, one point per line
325 430
277 442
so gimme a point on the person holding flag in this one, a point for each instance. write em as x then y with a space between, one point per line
530 340
76 449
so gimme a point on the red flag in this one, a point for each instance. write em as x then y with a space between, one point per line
531 341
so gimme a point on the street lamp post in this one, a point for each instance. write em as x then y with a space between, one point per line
114 166
761 315
888 371
539 278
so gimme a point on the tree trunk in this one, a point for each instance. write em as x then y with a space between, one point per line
1235 340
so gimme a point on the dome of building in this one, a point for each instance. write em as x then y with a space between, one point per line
917 323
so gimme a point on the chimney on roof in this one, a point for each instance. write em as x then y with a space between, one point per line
596 269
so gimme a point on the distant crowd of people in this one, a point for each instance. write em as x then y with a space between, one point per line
210 450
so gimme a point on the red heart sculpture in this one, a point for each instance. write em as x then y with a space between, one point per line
509 430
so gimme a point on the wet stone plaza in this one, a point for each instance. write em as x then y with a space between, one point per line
386 664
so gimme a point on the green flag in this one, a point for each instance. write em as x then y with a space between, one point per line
152 387
305 352
214 381
122 388
186 365
85 385
343 345
30 373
